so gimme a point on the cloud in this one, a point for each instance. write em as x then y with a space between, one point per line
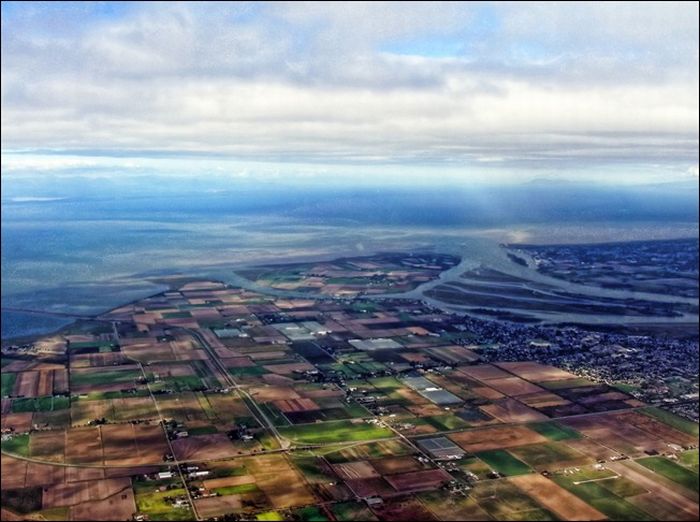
529 86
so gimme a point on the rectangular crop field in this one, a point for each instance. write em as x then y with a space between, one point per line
334 431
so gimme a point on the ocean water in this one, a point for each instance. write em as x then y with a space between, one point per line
86 254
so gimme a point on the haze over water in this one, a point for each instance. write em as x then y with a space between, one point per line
85 255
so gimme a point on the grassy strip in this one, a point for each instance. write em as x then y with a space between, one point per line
334 431
8 382
555 431
504 462
672 471
679 423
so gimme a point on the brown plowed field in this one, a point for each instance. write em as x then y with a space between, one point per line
120 506
510 410
74 493
419 480
556 498
496 438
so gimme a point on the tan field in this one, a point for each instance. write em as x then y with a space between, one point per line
496 438
555 498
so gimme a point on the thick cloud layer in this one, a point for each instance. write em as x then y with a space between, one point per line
517 86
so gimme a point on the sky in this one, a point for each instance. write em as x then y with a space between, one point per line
416 93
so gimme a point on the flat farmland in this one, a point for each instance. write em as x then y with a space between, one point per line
225 408
205 447
419 480
19 422
83 446
147 350
60 495
43 474
282 484
374 450
224 482
352 511
503 462
510 410
48 445
671 471
8 384
150 442
392 465
355 470
14 472
543 400
153 504
404 509
452 507
88 360
555 431
484 372
134 408
555 498
513 386
611 431
218 506
118 444
263 394
26 384
496 438
84 411
182 407
536 372
553 455
75 474
100 379
657 428
335 431
604 494
120 506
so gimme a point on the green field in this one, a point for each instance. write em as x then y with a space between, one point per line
679 423
476 466
8 382
178 384
671 471
505 501
603 499
236 490
504 462
566 383
97 378
176 315
334 431
40 404
446 422
155 505
98 396
17 445
689 459
351 511
590 473
555 431
247 371
228 472
269 515
102 346
274 414
310 513
627 388
623 487
554 454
